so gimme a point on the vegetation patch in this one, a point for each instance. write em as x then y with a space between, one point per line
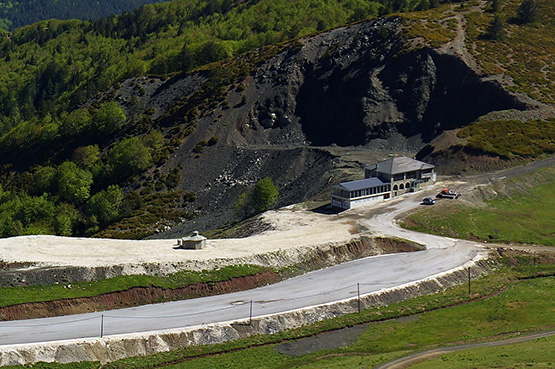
431 28
511 138
526 52
536 354
157 212
518 210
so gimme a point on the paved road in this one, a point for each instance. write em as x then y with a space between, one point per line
319 287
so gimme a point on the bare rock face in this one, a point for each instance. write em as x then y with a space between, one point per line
359 86
354 86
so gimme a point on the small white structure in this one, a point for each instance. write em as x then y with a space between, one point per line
194 242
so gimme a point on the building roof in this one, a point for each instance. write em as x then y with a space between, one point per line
361 184
400 164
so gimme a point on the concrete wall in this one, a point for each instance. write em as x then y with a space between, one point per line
113 348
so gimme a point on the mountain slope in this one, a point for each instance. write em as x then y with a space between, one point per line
356 85
151 153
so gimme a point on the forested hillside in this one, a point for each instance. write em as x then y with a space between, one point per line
66 161
94 113
19 13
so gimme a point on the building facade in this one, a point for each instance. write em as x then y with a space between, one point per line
383 180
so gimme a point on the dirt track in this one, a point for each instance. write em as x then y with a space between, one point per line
407 361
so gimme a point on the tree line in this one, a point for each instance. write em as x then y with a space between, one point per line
19 13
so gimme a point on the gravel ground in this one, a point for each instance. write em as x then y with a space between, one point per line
291 229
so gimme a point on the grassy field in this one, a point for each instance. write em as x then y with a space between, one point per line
519 210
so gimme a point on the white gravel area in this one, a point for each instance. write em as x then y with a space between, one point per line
291 229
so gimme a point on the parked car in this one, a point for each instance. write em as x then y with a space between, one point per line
428 201
448 194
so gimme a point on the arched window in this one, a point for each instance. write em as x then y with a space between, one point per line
395 188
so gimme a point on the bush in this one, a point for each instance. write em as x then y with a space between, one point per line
528 12
213 140
109 118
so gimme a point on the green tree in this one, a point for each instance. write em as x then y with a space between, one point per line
496 29
109 118
73 183
243 204
528 11
106 204
494 6
66 218
129 157
75 122
43 180
212 51
35 210
86 156
264 195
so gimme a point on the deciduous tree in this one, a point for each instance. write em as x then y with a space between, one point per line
265 194
109 118
73 183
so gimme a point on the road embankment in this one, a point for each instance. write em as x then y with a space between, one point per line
290 262
111 348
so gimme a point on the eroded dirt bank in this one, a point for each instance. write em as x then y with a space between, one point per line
316 258
113 348
133 297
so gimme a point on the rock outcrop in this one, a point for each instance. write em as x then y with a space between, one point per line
360 85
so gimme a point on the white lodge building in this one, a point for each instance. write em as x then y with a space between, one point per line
383 180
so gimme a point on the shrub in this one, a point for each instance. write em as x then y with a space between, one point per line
528 11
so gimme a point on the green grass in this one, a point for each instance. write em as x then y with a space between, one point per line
524 214
538 353
20 295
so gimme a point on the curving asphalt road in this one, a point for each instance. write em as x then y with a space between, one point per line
320 287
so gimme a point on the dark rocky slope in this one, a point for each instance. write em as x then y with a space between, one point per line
360 85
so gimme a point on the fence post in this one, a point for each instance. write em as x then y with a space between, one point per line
358 296
468 281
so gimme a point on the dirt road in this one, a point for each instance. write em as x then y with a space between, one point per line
407 361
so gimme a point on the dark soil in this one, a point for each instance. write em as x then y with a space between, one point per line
325 341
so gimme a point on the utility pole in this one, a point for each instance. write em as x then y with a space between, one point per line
250 315
101 325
